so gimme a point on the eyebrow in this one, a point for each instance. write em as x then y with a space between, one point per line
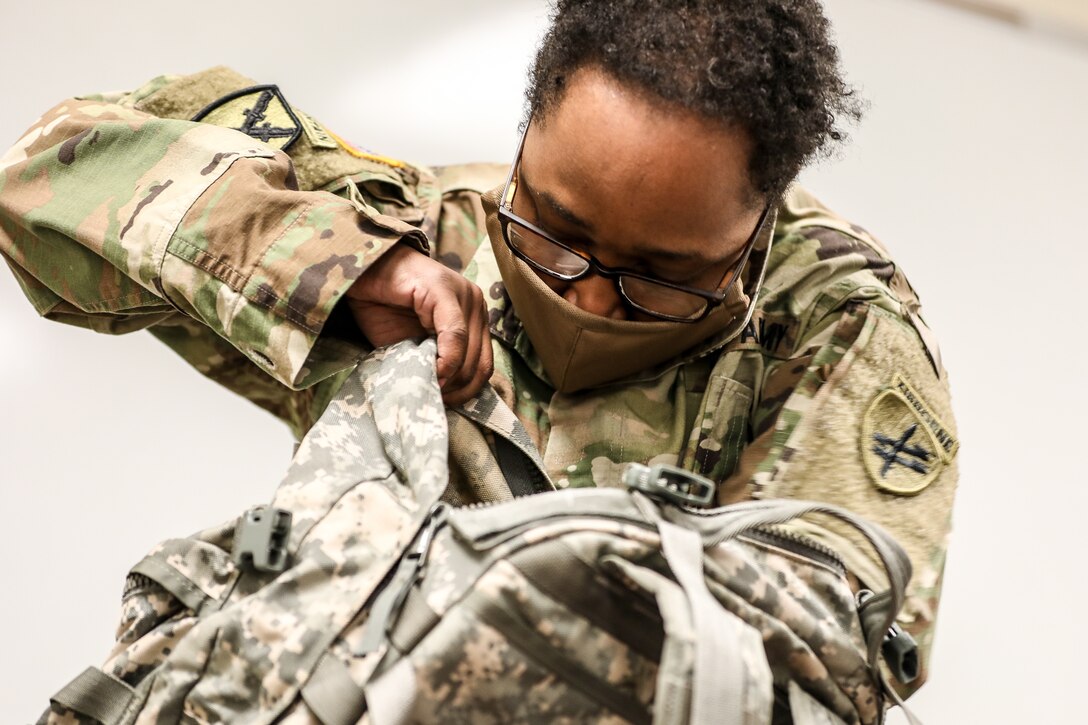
561 211
570 217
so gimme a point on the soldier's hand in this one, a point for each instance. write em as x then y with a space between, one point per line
407 294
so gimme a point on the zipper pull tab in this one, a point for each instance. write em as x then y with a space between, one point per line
387 604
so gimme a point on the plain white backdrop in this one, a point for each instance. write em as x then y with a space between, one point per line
970 166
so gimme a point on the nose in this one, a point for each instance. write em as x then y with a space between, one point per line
596 295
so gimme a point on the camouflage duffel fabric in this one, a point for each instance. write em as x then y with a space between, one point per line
380 603
560 607
207 637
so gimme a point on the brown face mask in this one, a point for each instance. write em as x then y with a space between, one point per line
580 350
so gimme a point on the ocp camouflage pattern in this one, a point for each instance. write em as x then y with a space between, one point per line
115 219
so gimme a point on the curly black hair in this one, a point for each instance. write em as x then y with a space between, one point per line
769 66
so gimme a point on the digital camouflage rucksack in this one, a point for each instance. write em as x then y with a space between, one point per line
358 595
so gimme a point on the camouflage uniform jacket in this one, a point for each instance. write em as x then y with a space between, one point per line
117 214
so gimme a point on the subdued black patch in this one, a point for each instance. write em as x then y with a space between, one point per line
834 243
891 451
152 193
327 233
67 152
252 125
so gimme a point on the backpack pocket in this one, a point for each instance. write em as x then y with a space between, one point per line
164 595
508 647
798 597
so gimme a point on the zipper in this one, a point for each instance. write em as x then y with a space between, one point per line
791 541
485 535
473 524
133 582
798 544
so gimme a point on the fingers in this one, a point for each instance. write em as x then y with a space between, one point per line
459 318
479 362
406 294
451 396
383 325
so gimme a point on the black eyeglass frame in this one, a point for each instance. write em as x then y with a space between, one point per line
713 298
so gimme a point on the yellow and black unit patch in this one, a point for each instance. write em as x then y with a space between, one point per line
259 111
904 445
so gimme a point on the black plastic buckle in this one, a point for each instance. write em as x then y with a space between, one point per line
669 483
260 541
901 654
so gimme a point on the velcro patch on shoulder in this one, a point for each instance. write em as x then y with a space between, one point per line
260 112
319 136
904 445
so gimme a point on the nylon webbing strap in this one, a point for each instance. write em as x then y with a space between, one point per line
521 476
713 699
389 697
672 696
97 695
332 695
726 686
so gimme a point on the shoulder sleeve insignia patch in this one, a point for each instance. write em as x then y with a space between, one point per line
259 111
904 445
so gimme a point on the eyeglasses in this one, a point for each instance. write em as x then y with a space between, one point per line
655 297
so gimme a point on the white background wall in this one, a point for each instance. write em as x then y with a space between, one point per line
970 166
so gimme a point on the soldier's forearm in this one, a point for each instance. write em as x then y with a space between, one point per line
115 219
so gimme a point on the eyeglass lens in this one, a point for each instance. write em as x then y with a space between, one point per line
564 264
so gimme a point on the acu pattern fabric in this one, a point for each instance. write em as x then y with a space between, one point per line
556 607
117 213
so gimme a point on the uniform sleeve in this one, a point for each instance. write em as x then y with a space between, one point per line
117 220
462 221
861 418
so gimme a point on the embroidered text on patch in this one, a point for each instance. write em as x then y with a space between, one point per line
260 112
319 137
904 445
